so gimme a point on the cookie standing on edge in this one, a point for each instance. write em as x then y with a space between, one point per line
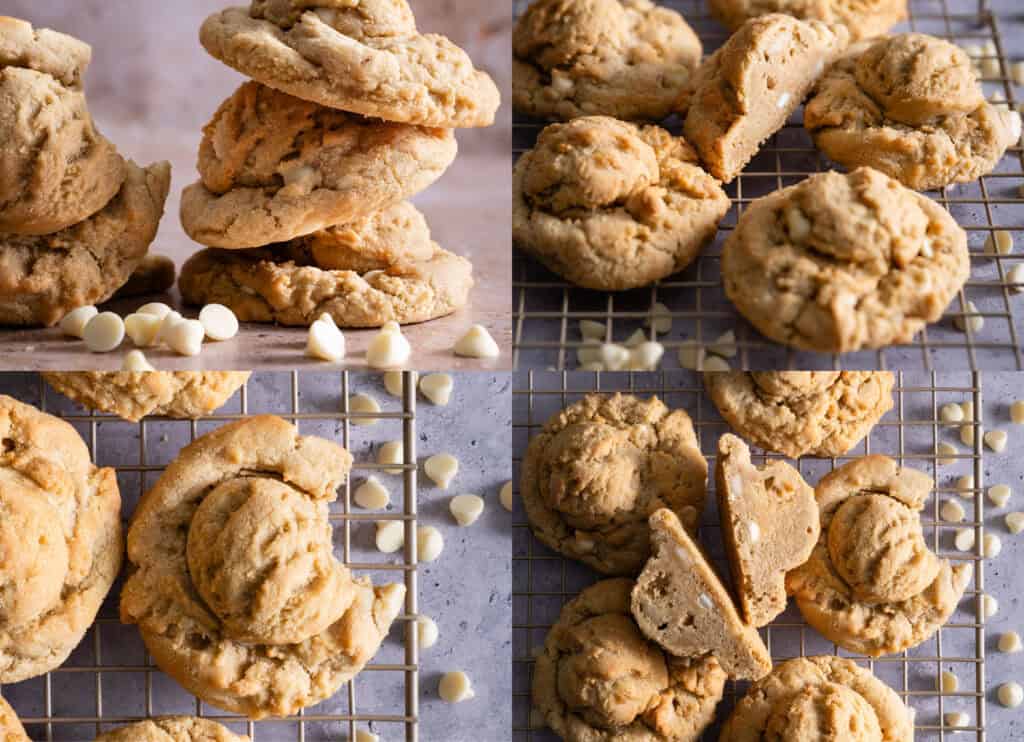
865 19
630 59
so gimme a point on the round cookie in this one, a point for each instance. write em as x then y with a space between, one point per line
11 729
865 19
172 729
910 106
598 679
610 205
839 263
630 59
60 536
381 268
600 468
801 413
42 278
134 395
365 57
872 585
822 698
274 167
234 585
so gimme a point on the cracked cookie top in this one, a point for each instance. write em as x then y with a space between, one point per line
611 205
630 59
798 413
872 585
910 106
599 679
600 467
172 729
865 19
843 262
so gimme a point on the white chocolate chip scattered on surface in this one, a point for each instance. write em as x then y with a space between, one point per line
967 435
186 337
390 536
995 440
989 607
948 682
973 320
156 308
142 328
964 539
691 355
74 322
613 357
968 408
1014 522
991 545
363 403
1015 276
393 382
945 452
714 363
1011 694
477 343
441 468
588 352
957 719
372 495
1017 408
636 338
592 330
999 494
103 333
466 508
999 242
951 413
427 632
167 323
325 342
219 322
429 543
437 388
455 687
646 356
965 485
391 453
135 360
505 496
724 345
388 348
1009 642
364 736
952 511
660 317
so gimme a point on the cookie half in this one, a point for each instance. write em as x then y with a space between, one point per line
11 728
839 263
172 728
611 205
367 58
630 59
865 19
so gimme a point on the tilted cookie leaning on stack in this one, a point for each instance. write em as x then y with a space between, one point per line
76 219
301 199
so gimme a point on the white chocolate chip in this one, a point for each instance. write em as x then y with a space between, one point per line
646 356
429 543
1015 276
1017 72
797 224
990 68
134 360
584 543
388 347
186 337
660 318
477 343
705 600
970 319
1014 522
965 485
945 452
441 468
995 440
991 545
783 100
999 494
989 607
691 355
393 382
964 539
103 333
957 719
455 687
1017 409
754 532
1009 642
636 338
74 322
167 323
589 352
967 435
325 342
613 357
437 388
361 734
589 329
1011 695
505 496
951 413
142 328
999 242
156 308
948 682
714 363
391 453
372 495
390 536
952 511
363 403
725 345
466 508
219 322
968 408
426 631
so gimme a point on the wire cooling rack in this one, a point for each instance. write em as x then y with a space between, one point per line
547 310
543 581
110 680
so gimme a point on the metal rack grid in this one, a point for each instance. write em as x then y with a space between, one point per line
546 309
543 581
309 724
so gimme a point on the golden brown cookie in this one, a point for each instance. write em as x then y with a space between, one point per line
42 278
865 19
910 106
60 537
819 699
872 585
134 395
234 585
600 467
747 89
381 268
366 57
769 524
274 167
610 205
172 729
11 729
801 413
630 59
599 680
680 604
154 274
839 263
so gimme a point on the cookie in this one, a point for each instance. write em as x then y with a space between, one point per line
364 57
11 729
600 467
747 89
809 699
630 59
839 263
611 205
274 167
172 729
381 268
58 55
802 413
154 274
680 604
134 395
864 19
769 525
42 278
910 106
598 679
872 585
234 585
60 536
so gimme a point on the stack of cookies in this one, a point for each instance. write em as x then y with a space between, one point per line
305 170
76 219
